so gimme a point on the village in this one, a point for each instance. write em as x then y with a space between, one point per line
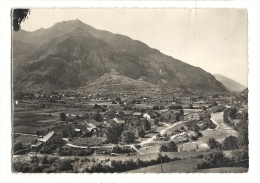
119 125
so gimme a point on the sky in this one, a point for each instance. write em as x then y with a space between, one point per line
215 40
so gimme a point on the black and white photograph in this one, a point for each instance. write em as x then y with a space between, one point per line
130 90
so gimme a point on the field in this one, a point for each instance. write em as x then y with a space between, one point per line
87 141
26 140
187 166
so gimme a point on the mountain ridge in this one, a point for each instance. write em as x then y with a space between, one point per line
230 84
81 54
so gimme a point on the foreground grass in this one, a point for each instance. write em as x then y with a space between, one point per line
187 166
180 166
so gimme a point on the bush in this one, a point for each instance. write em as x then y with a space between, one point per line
194 137
44 160
215 158
199 134
163 148
172 147
213 144
18 146
240 154
230 143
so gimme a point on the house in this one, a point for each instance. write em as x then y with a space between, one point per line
149 115
118 120
127 113
77 132
91 127
51 138
137 114
37 146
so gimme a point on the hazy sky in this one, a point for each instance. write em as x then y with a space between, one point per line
213 39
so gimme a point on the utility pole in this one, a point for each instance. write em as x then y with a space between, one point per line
161 161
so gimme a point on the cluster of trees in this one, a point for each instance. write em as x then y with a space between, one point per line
216 158
228 115
192 126
218 108
229 143
50 164
127 133
207 123
175 107
169 147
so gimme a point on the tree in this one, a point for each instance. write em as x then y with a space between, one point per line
38 133
140 132
172 147
114 132
163 148
18 146
44 159
65 165
213 144
128 137
19 15
156 121
215 158
242 128
97 116
146 125
230 143
63 116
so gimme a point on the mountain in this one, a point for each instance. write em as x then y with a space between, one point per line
20 47
230 84
71 54
245 91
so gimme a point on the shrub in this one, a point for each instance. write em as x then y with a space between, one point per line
240 154
199 134
194 137
172 147
18 146
163 148
215 158
213 144
230 143
44 160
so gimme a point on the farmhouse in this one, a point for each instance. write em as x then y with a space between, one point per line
149 115
127 113
51 138
137 114
118 120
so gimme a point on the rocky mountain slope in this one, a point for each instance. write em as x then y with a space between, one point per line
72 54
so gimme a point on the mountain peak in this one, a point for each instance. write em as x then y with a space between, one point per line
73 53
